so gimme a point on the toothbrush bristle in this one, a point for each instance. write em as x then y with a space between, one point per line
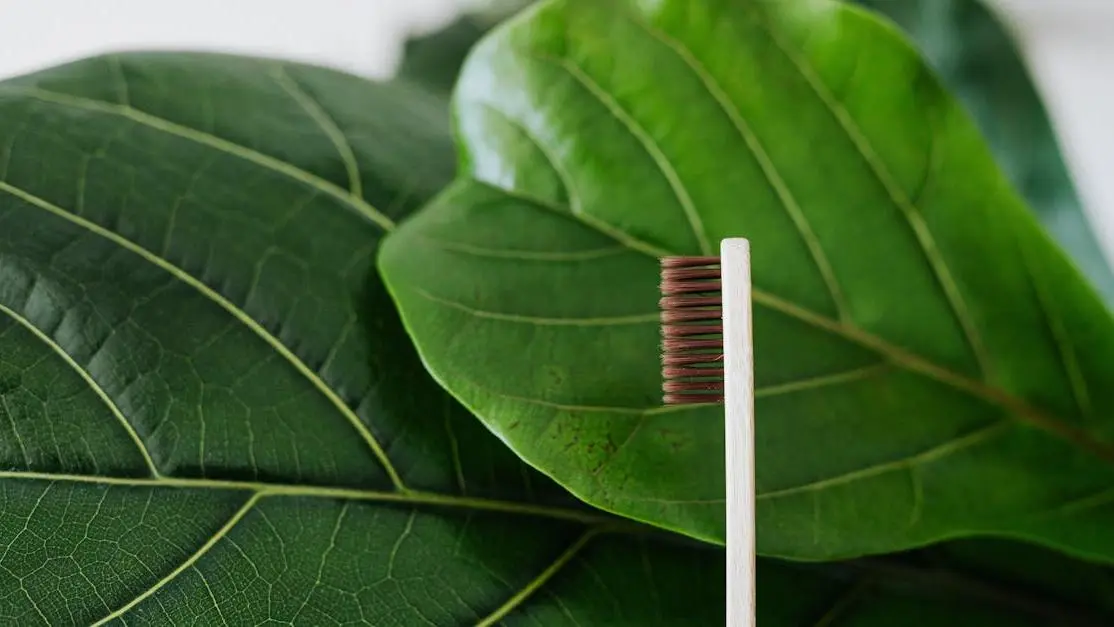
691 330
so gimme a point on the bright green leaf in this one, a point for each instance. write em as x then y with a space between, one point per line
209 411
928 363
976 58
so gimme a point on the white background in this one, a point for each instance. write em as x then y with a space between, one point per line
1069 45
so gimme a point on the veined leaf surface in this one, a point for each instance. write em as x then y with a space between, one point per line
928 363
971 50
968 583
209 412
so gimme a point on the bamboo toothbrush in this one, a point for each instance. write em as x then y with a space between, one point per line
707 357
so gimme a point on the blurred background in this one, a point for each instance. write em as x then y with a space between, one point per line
1033 72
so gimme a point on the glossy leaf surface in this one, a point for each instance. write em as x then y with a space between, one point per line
959 584
209 411
929 364
976 58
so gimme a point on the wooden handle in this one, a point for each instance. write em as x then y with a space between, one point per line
739 431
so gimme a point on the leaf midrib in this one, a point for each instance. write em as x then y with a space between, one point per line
596 525
897 355
293 490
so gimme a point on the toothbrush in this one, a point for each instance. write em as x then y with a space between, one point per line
707 357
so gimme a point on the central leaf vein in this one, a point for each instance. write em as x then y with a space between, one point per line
895 354
284 490
978 388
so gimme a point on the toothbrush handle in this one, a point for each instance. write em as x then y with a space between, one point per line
739 431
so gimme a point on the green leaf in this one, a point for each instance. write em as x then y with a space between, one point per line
928 364
977 584
434 60
209 411
977 59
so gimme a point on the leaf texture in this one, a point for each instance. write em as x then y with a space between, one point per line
928 363
966 583
209 411
977 59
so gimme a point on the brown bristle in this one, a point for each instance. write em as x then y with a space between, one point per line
688 360
691 330
702 272
674 373
683 330
686 315
670 303
686 262
692 399
686 345
670 287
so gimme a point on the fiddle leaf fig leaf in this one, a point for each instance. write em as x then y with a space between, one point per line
928 363
968 583
976 58
209 410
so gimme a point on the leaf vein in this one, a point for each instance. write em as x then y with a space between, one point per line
765 163
765 391
575 206
15 431
86 377
190 562
237 313
911 362
525 255
643 137
900 199
540 320
1055 324
327 124
207 139
117 68
822 381
974 438
539 581
280 490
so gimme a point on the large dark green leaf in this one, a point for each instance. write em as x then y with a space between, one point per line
928 364
435 60
209 412
976 584
977 59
